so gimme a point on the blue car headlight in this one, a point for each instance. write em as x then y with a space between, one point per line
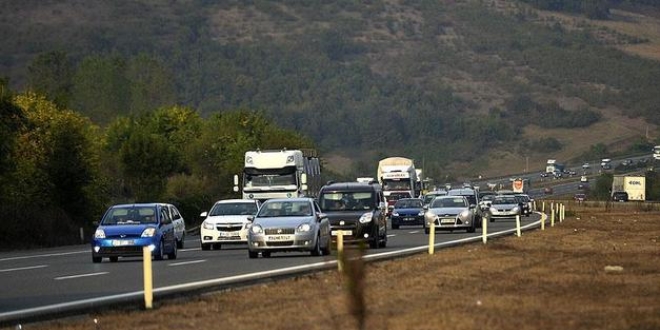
100 234
421 213
366 218
149 232
395 213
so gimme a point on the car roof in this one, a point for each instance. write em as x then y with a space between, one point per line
461 191
237 200
296 199
140 205
351 186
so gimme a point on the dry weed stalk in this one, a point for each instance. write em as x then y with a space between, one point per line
353 274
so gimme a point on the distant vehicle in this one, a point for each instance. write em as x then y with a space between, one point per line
227 223
580 197
289 225
472 197
527 204
585 166
397 175
504 206
656 152
547 191
627 162
358 210
633 185
606 163
620 196
584 178
431 195
582 186
126 229
484 202
451 213
407 212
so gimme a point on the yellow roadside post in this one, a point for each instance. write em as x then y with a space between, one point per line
484 230
561 212
518 225
148 278
340 250
432 237
552 217
542 221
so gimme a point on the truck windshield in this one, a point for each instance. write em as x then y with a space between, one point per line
396 185
267 178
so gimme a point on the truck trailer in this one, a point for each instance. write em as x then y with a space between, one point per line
634 186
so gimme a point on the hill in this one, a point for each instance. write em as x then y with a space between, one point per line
466 87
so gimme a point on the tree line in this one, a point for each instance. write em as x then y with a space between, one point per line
59 171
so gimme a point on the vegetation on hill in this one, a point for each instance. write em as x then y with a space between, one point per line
450 83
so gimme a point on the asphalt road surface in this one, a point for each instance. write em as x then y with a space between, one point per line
38 279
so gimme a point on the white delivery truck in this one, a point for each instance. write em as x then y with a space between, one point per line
279 174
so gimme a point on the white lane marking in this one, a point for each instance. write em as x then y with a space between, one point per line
413 232
188 250
22 268
79 276
187 262
391 235
44 255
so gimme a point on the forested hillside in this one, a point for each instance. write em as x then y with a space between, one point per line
464 87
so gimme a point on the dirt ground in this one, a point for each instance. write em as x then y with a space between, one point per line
595 270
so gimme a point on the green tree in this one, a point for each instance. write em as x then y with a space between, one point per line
151 84
101 90
51 74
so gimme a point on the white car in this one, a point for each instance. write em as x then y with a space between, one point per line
227 223
584 178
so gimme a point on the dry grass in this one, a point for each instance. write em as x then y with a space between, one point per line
553 279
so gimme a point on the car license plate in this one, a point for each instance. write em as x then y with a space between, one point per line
280 238
408 219
343 232
447 221
229 234
124 242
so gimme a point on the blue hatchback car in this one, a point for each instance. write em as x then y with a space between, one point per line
407 212
125 229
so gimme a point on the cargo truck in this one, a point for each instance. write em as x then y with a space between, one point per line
634 186
279 174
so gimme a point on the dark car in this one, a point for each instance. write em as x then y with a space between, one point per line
407 212
620 196
358 210
126 229
580 197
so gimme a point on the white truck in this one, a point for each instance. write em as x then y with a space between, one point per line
552 167
520 185
398 174
279 174
634 186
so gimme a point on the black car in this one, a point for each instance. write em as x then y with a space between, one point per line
358 210
620 196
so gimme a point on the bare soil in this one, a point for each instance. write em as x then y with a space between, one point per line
594 270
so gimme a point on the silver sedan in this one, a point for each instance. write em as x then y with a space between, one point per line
289 225
450 213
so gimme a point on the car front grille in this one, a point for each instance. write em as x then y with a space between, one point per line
229 227
280 231
121 249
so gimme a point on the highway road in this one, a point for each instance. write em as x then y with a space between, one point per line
37 280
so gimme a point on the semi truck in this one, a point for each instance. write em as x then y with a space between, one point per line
398 174
520 185
279 174
634 186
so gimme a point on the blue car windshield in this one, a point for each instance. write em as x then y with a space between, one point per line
131 215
